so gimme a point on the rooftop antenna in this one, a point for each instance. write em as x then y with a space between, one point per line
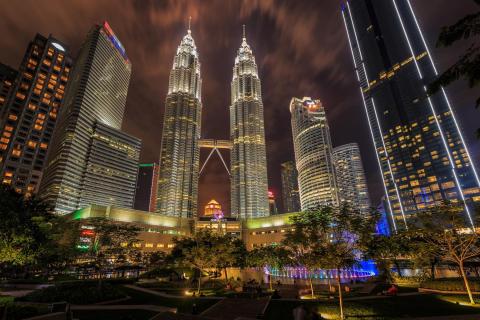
244 37
189 24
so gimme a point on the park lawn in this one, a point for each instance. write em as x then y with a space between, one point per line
388 308
183 304
113 314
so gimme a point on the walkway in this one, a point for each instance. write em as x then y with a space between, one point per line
149 307
229 309
165 295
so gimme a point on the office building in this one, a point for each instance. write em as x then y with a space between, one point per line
422 156
313 154
147 184
29 115
249 186
179 155
350 177
290 193
272 204
88 131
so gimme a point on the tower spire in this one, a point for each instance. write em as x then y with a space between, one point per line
244 37
189 24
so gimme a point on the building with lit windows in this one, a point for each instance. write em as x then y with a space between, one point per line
422 156
290 194
158 231
350 177
147 184
179 155
212 208
91 160
272 203
29 114
249 186
313 154
8 76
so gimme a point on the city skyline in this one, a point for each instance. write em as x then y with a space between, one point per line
344 129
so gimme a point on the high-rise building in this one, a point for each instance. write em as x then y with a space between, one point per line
350 177
212 208
179 155
7 80
420 150
28 118
91 160
249 187
290 194
272 204
147 184
313 154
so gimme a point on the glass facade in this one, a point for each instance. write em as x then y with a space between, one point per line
351 181
421 153
28 114
313 154
179 154
290 194
89 121
249 184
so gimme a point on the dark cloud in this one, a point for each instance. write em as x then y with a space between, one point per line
300 47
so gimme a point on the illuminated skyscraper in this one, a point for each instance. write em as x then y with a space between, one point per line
179 155
249 188
91 160
350 177
420 150
313 154
28 118
290 194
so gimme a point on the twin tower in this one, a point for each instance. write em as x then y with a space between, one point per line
180 148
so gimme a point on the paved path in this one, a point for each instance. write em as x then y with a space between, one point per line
123 307
229 309
166 295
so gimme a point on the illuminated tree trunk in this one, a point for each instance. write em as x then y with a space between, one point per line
311 286
465 280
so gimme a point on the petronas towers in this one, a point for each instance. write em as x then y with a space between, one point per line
179 155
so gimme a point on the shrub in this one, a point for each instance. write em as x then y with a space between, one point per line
451 284
76 293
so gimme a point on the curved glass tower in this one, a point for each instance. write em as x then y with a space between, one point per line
313 154
179 155
249 188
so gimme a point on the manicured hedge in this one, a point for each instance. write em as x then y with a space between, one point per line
76 293
451 284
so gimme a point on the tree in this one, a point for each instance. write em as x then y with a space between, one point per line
275 257
111 239
386 251
468 65
229 252
329 238
444 229
310 229
195 252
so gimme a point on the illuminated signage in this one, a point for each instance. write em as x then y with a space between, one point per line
114 40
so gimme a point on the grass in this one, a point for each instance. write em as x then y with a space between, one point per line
390 308
183 304
113 314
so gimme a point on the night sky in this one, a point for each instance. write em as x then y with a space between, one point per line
300 48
